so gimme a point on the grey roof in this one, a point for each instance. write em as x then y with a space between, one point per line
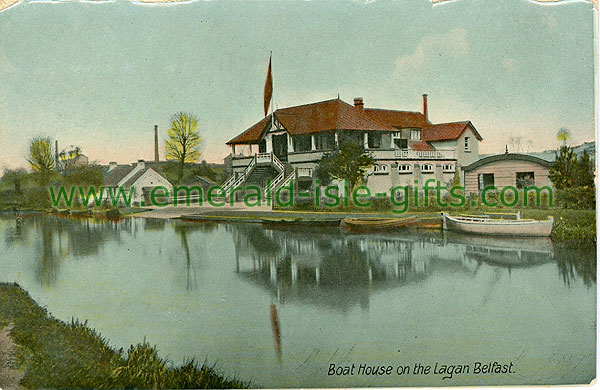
115 175
133 178
506 157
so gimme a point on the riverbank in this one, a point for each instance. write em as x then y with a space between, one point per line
53 354
571 227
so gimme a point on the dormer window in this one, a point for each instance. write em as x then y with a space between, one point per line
401 143
415 134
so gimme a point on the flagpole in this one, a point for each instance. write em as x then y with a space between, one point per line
272 93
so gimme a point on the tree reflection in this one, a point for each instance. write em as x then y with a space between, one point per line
576 264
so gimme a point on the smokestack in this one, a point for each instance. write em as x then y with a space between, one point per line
56 154
425 106
358 103
156 143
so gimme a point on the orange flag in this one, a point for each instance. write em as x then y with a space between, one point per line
268 94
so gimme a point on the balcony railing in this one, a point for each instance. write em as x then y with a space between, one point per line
411 154
305 172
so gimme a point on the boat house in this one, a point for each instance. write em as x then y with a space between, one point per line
406 146
509 169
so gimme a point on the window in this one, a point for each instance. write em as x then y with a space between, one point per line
448 167
302 143
325 141
525 179
380 169
486 180
467 149
404 168
374 140
426 168
415 134
401 143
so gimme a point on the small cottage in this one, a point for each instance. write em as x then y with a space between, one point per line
138 177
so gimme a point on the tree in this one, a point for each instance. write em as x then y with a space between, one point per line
563 135
585 174
68 157
349 163
184 140
563 171
573 179
15 178
41 158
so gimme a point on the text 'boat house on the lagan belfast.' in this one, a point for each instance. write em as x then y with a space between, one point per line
406 146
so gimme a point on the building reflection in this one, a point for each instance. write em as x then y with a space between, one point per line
330 268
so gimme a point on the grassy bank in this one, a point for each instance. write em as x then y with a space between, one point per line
56 354
573 227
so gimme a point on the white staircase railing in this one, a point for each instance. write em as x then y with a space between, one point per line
279 181
232 182
259 158
278 163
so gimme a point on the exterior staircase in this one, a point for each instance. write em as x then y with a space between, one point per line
258 172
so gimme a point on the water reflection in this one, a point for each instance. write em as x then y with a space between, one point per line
329 268
320 266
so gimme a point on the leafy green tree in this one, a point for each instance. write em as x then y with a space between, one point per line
41 159
573 179
15 178
184 141
205 170
564 169
350 162
585 174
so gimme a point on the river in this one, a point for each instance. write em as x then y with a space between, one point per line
280 306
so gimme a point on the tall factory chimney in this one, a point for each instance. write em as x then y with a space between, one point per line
56 155
156 157
425 106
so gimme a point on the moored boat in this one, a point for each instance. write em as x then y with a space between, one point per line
333 222
498 227
366 224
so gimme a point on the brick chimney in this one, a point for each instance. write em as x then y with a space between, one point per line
112 165
358 103
425 106
156 143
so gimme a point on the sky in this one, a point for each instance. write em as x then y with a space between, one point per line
101 75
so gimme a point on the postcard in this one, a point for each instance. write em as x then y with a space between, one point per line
297 194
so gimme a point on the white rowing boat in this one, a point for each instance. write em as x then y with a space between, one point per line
498 227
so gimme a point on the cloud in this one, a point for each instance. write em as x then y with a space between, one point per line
434 50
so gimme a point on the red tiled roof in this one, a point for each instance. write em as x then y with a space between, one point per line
313 118
447 131
419 145
338 115
252 134
397 119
